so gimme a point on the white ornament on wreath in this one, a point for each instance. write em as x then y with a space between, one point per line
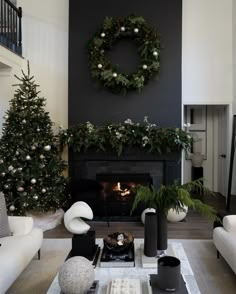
144 212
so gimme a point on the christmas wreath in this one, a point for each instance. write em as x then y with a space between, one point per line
111 31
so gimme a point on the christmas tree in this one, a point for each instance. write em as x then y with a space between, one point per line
30 163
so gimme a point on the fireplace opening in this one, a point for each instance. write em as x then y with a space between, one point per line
118 196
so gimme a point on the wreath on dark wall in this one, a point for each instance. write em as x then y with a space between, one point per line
111 31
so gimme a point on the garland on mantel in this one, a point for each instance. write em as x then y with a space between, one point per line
111 31
124 136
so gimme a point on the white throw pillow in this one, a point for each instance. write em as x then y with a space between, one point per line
4 225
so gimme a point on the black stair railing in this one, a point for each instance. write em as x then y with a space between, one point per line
10 26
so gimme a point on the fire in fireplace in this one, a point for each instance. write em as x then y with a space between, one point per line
117 192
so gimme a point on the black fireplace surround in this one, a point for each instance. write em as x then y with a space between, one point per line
89 171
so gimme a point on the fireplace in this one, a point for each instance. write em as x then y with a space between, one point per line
105 180
117 193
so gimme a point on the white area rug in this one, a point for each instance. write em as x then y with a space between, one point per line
212 275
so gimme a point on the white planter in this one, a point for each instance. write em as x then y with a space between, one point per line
144 212
174 216
197 159
46 220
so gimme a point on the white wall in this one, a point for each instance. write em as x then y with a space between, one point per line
45 45
207 70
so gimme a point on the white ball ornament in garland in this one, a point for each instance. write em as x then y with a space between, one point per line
100 65
12 208
114 74
6 116
122 29
47 148
38 129
33 181
103 35
1 161
3 174
41 156
44 190
35 197
155 53
24 121
144 66
6 186
17 153
27 157
33 147
19 168
136 30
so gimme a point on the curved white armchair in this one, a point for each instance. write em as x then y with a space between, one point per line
17 251
224 239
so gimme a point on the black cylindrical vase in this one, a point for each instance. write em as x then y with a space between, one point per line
161 231
168 273
150 234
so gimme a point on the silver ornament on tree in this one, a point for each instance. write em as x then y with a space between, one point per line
20 189
41 156
103 35
17 152
33 147
100 65
3 174
10 168
27 157
24 121
136 30
33 181
12 208
47 148
43 190
122 29
6 116
114 74
155 53
35 197
6 186
38 129
19 168
144 66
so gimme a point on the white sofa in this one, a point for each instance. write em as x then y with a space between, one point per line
224 239
17 251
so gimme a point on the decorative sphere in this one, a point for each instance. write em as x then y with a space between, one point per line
24 121
10 167
6 116
99 65
144 66
38 129
35 197
12 208
3 174
114 74
144 212
27 157
33 147
17 153
20 189
43 190
41 156
19 168
33 181
155 53
1 161
76 275
47 148
136 30
103 35
122 29
6 186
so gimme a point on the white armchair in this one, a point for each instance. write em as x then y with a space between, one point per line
17 251
224 239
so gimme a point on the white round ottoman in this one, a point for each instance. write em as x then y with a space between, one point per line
72 217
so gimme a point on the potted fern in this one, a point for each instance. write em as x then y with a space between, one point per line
175 196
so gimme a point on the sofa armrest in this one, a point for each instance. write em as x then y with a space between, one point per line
229 223
20 225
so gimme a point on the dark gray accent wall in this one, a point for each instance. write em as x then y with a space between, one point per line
160 100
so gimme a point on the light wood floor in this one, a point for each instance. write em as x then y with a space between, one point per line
193 227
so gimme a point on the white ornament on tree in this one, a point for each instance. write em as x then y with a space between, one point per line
20 189
47 148
99 65
3 174
1 161
24 121
6 186
43 190
41 156
12 208
155 53
6 116
33 147
10 168
144 66
33 181
114 74
103 35
38 129
35 197
27 157
17 153
122 29
136 30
